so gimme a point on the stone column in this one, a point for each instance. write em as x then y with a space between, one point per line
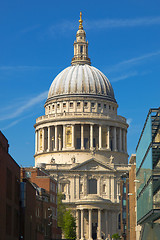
99 225
77 224
82 224
36 145
91 136
90 225
114 139
106 223
108 138
100 136
112 188
123 140
49 139
73 146
56 137
42 139
60 142
64 136
120 140
82 137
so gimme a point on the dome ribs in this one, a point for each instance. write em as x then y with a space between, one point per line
101 88
81 80
68 81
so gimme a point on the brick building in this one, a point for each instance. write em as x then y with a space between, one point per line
9 193
46 203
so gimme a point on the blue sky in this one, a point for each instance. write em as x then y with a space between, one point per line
36 43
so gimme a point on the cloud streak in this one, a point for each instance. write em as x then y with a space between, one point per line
133 61
123 77
30 103
121 23
23 68
102 24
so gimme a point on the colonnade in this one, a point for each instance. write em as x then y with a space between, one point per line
54 138
86 232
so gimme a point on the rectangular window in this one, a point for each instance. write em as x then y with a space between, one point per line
81 49
71 104
85 104
92 104
99 105
105 105
64 105
124 202
58 105
52 107
78 104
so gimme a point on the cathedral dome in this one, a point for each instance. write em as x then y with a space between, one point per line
81 79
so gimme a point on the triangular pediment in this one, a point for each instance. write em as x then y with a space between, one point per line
93 165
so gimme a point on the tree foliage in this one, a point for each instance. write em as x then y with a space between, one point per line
69 228
61 209
116 236
65 220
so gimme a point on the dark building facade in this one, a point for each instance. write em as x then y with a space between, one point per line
9 193
46 203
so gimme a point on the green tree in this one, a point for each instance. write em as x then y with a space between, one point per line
116 236
61 209
65 220
69 228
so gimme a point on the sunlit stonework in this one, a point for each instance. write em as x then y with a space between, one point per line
82 142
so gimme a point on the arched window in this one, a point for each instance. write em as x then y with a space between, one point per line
92 186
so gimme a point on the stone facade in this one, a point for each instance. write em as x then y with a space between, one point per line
82 142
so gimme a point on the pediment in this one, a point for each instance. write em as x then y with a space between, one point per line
93 165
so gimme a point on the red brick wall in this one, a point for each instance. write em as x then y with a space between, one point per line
9 200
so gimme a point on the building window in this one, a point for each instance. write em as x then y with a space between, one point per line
52 107
64 105
71 104
109 107
92 104
99 105
85 104
63 187
92 186
58 105
81 49
81 188
104 188
124 202
78 104
105 105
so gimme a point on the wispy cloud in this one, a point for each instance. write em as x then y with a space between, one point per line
102 24
12 124
61 28
121 23
30 103
23 68
30 28
124 76
132 61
